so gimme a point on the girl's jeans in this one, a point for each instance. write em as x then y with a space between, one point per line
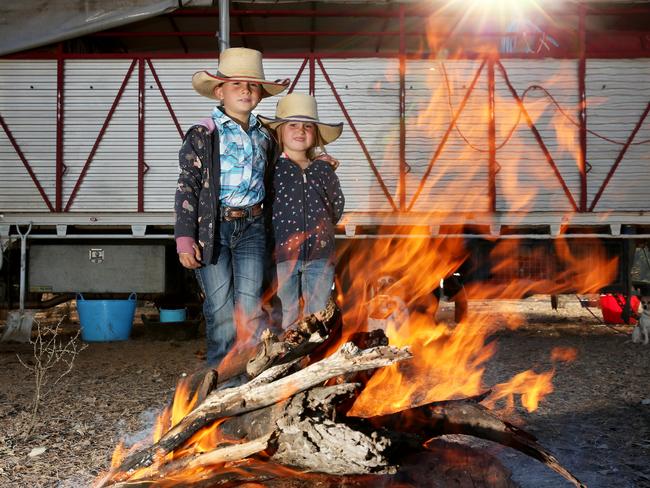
312 279
233 286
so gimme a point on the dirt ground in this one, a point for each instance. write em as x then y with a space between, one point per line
597 420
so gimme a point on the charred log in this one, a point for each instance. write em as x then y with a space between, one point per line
260 392
469 418
300 339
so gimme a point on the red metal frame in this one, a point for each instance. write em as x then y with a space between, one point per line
620 157
401 191
581 50
141 164
443 141
28 167
582 114
312 76
165 98
538 137
60 165
91 155
295 80
358 136
492 146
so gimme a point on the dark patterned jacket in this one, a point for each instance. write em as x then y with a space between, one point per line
306 205
196 203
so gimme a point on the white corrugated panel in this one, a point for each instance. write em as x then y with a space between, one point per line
618 91
526 181
28 107
459 177
162 140
111 181
369 90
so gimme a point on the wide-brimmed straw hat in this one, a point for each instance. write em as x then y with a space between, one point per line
237 64
298 107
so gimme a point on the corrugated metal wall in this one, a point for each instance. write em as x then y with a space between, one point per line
111 181
434 92
617 92
28 107
526 181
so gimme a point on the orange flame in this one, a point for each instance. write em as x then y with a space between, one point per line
564 354
389 282
531 386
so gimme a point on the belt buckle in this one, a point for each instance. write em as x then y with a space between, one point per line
227 213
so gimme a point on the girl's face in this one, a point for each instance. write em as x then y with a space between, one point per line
298 136
239 97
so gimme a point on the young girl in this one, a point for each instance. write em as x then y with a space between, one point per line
306 204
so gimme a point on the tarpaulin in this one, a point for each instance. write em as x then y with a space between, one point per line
26 24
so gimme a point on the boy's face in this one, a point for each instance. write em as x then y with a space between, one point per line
298 136
239 97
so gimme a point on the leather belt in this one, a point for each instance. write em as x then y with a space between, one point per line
233 213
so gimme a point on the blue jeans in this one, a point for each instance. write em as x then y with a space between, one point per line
310 279
233 286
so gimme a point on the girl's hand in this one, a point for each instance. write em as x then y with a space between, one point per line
190 261
334 163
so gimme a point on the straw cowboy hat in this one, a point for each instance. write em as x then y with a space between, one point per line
237 64
297 107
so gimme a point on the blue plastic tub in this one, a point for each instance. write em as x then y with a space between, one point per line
106 320
173 314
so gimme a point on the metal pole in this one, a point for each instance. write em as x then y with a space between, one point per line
23 264
141 163
492 146
60 166
582 114
224 25
402 111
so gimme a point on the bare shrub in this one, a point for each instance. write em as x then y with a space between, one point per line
49 351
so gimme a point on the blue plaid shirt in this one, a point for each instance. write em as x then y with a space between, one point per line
243 159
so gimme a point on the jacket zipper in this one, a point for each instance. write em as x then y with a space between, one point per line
304 216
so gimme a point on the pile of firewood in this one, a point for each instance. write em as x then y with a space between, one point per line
285 402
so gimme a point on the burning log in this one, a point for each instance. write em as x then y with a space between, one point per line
154 474
260 392
304 337
298 422
469 418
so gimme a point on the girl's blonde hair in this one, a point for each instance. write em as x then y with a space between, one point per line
317 149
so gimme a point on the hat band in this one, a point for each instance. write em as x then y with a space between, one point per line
221 75
289 117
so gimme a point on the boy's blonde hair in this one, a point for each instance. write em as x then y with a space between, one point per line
317 149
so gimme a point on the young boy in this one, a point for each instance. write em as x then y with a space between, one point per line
219 228
307 202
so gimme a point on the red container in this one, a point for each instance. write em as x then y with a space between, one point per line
612 306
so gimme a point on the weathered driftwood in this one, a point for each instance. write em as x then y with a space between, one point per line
258 393
176 437
469 418
214 457
311 419
331 401
208 385
309 436
443 465
300 339
309 439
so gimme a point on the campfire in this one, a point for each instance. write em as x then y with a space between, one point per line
326 397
